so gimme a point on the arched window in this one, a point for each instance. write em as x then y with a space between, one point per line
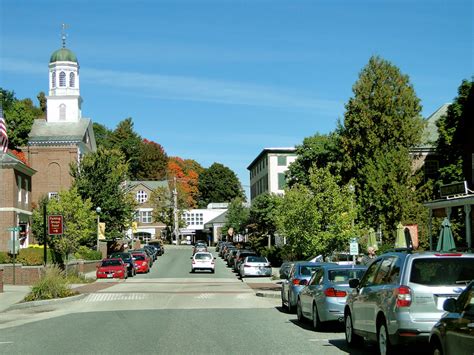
62 112
62 79
71 80
53 78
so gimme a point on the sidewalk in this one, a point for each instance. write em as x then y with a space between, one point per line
12 294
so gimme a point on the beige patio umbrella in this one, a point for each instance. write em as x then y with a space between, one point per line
371 239
400 241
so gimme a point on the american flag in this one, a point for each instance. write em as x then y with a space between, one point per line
3 133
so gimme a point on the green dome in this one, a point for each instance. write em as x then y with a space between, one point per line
63 55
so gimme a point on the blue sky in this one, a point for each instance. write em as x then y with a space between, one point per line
219 80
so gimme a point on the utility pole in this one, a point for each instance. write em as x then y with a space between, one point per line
175 212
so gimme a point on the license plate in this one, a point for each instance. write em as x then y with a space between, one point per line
110 275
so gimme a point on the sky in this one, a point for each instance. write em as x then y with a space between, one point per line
220 80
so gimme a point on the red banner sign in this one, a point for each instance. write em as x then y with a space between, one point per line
55 225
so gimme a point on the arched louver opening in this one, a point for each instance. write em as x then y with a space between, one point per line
62 79
62 112
53 78
72 79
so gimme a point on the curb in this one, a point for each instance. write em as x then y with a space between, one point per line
268 294
45 302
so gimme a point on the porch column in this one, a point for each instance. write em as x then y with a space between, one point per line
430 221
467 214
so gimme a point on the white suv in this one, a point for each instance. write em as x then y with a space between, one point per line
203 261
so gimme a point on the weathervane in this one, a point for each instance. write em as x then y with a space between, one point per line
63 33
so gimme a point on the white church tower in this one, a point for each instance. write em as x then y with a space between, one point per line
64 100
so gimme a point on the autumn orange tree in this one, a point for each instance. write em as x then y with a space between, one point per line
186 172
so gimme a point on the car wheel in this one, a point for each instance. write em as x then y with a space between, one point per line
299 311
290 307
383 341
436 348
316 321
352 339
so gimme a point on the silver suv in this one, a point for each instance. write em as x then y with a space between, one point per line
401 295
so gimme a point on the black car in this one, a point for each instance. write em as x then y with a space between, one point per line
128 260
454 333
152 250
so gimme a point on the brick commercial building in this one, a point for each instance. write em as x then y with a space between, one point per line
15 199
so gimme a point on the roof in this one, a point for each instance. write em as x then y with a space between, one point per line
219 219
430 133
44 131
10 161
149 184
266 151
63 55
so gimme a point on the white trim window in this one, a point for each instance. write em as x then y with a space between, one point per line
146 216
141 196
19 188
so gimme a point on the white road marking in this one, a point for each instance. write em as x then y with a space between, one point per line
205 296
6 342
106 297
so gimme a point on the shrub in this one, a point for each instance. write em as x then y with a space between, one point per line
4 258
32 256
53 284
87 254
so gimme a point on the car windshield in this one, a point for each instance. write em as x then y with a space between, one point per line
139 256
344 275
442 271
120 255
256 259
114 262
307 270
203 256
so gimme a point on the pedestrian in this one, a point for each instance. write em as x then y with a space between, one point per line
367 259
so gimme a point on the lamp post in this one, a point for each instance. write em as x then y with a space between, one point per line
98 210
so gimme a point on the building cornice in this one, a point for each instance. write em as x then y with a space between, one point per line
14 209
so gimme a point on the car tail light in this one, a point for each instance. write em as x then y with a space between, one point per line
296 281
194 262
332 292
403 296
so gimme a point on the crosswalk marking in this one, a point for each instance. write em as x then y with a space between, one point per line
105 297
205 296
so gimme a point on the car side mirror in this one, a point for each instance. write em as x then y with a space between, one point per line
215 258
191 257
354 283
303 282
449 305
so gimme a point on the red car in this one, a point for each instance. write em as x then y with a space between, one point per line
141 263
111 268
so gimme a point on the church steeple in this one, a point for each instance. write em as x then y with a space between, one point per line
64 100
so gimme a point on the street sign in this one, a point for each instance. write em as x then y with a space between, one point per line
353 248
454 189
55 225
14 246
13 229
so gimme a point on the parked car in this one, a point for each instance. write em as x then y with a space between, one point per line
228 251
153 251
401 295
223 247
231 257
255 266
127 258
341 258
141 261
203 261
218 244
148 253
285 269
454 332
111 268
240 256
290 287
324 296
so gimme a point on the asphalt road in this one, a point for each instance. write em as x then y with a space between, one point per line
168 311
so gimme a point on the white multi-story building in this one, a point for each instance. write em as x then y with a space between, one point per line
196 219
268 170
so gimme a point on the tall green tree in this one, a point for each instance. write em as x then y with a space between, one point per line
218 183
102 135
455 135
78 218
19 117
319 218
237 216
100 177
320 149
125 139
153 161
381 123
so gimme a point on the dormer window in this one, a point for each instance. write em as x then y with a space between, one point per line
53 78
62 79
141 196
72 79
